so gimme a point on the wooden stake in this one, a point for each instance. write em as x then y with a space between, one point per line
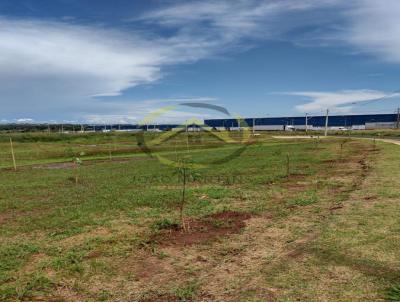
12 154
341 149
287 165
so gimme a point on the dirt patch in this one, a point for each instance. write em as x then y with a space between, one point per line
301 246
295 176
71 164
34 260
50 299
204 230
337 207
330 161
93 254
55 166
296 186
161 298
4 217
148 268
80 238
13 215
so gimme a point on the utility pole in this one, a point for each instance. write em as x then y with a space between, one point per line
326 122
306 123
398 118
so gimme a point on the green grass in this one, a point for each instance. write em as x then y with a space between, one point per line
393 293
59 234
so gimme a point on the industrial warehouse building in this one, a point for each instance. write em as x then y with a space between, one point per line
356 122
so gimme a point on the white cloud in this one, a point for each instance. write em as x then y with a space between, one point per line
227 22
373 27
338 101
367 26
25 120
107 60
56 69
136 112
361 26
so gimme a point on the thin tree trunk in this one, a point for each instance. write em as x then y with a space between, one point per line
13 155
183 198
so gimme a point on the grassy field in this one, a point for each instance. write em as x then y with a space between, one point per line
328 231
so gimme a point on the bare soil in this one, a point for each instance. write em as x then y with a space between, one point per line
162 298
204 230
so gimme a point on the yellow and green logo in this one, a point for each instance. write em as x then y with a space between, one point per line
238 142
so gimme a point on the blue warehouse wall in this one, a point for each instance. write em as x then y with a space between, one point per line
317 121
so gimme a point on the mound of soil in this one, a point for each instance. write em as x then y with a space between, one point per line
203 230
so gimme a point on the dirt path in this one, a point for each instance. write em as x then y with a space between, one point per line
391 141
385 140
298 136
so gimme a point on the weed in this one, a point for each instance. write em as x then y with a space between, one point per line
71 261
103 295
37 284
393 293
164 224
303 200
188 291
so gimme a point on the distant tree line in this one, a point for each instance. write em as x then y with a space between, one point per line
18 127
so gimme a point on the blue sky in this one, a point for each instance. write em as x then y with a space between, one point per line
103 61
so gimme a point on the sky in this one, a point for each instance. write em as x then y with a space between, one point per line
101 61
